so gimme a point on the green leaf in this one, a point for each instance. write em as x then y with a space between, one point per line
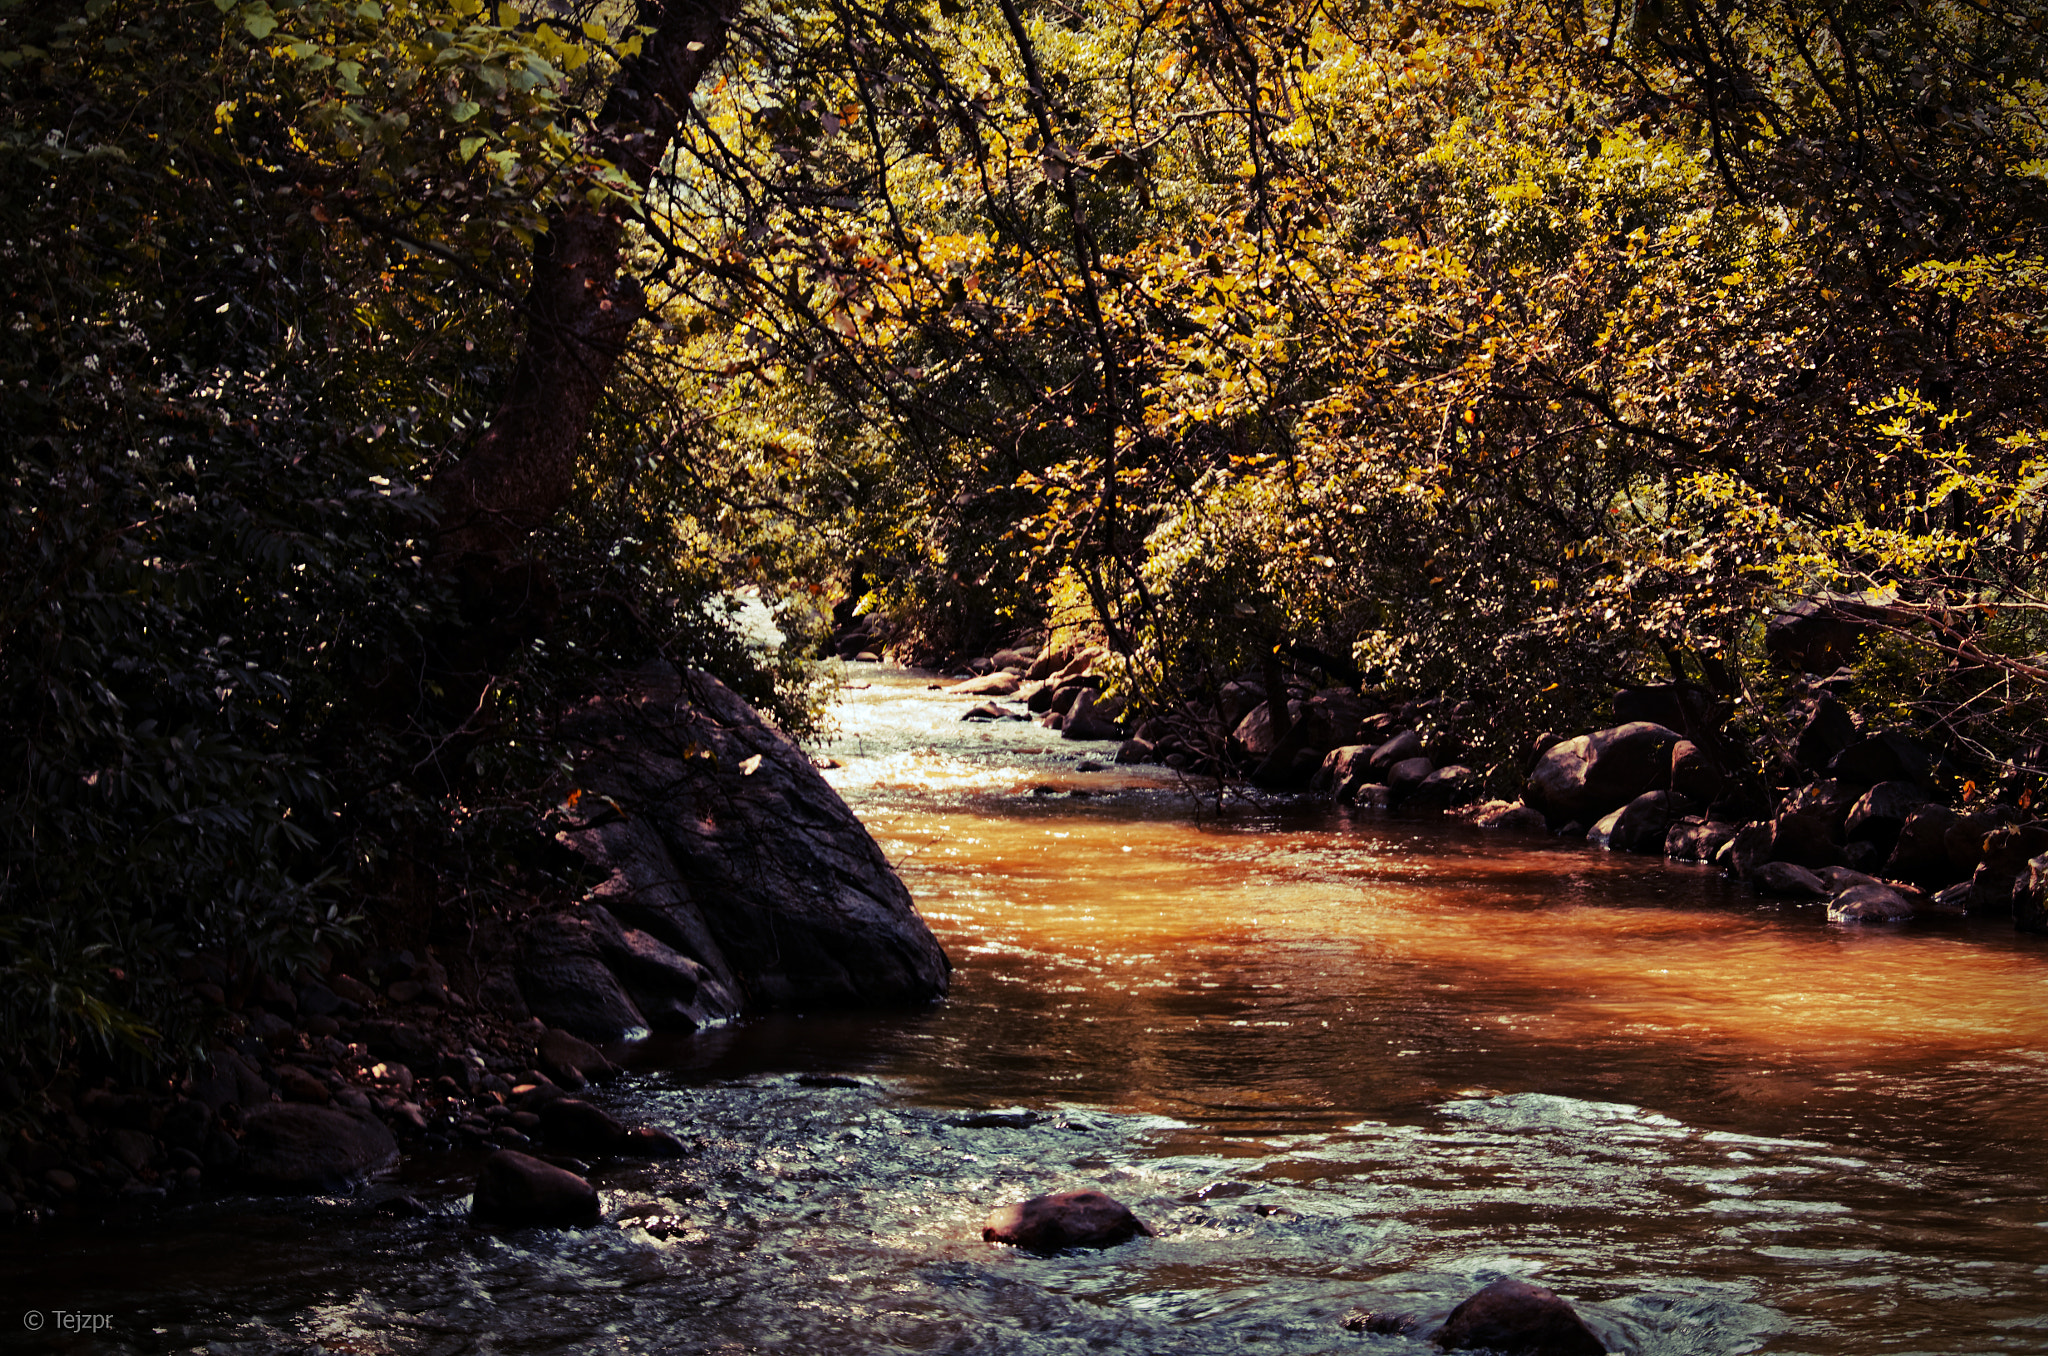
465 110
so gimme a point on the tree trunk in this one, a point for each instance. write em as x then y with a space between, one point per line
580 309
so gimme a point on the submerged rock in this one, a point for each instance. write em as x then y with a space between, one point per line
517 1190
1515 1318
1066 1219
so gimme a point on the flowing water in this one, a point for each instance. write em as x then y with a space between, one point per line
1335 1062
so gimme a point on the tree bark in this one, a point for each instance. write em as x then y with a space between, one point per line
580 308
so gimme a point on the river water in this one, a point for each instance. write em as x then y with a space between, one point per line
1336 1062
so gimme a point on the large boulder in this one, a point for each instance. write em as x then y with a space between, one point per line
672 991
1337 767
1405 778
1066 1219
1256 736
1590 776
1093 717
1515 1318
572 1125
1746 851
1880 813
1443 789
1966 839
291 1147
572 1061
515 1190
1338 714
720 840
1399 749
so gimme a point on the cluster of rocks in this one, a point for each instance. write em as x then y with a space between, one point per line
1059 688
1862 825
1866 832
313 1088
859 640
729 878
1509 1317
1410 762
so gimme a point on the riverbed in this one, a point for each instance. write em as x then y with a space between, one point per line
1337 1062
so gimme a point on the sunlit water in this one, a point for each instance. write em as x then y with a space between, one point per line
1336 1063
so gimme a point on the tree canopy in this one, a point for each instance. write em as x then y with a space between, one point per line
376 373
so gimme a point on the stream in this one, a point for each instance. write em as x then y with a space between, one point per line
1337 1062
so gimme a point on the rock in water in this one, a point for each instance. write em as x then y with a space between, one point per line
517 1190
1588 777
1066 1219
577 1127
1871 903
1786 878
1515 1318
723 842
292 1147
1639 826
997 684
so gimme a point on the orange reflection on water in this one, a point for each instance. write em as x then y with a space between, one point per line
1485 960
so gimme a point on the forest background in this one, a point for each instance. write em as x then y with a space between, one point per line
1503 351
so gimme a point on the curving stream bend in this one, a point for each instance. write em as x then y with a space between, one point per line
1337 1063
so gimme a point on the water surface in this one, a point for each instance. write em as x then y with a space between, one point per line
1337 1062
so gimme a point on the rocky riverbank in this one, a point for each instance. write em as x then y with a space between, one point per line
1871 821
724 878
